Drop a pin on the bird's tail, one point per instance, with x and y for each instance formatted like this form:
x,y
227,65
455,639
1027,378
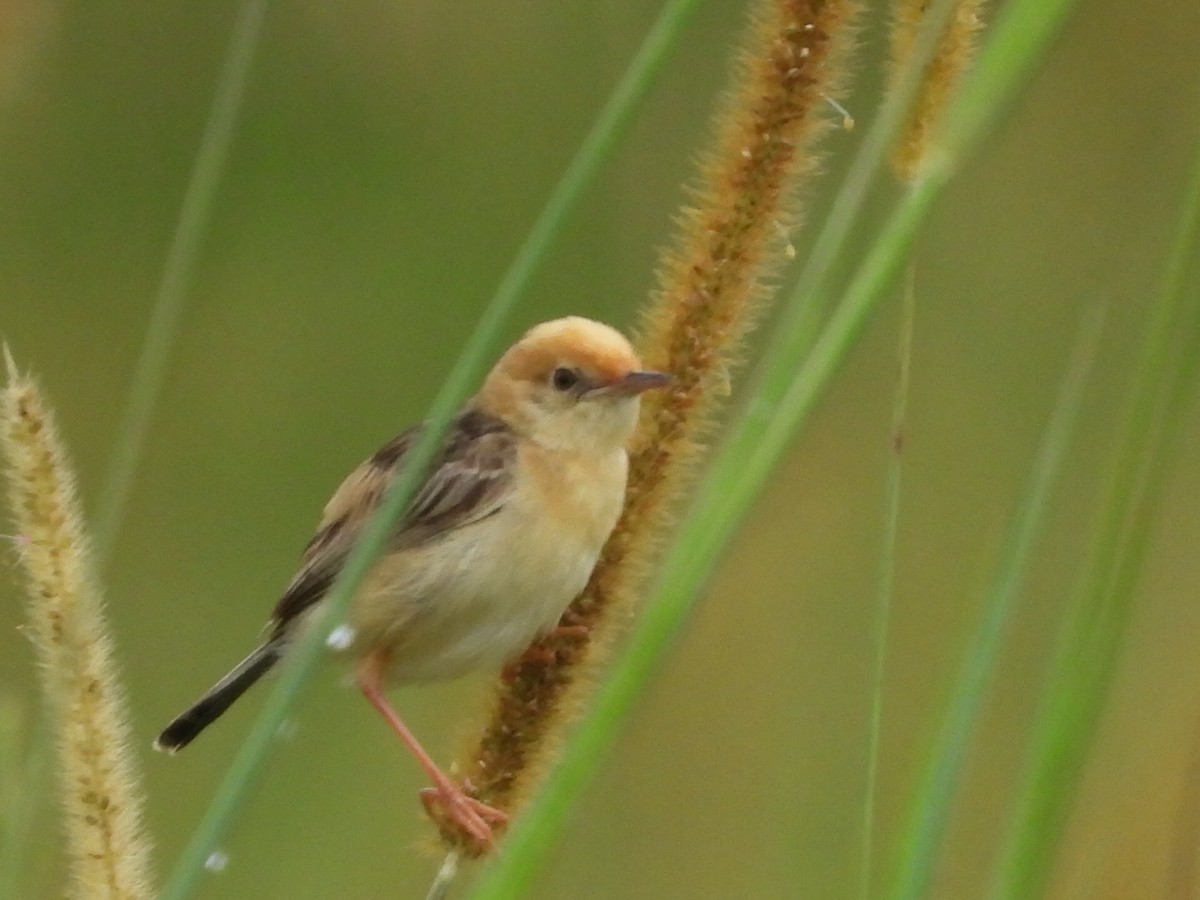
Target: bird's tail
x,y
218,698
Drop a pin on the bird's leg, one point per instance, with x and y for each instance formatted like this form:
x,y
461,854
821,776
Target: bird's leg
x,y
471,815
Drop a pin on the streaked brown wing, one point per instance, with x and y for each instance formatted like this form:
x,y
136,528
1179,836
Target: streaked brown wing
x,y
467,483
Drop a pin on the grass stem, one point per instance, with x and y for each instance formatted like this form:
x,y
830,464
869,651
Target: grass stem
x,y
194,214
887,575
935,797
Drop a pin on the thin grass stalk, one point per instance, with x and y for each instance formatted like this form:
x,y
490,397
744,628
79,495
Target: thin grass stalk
x,y
1094,627
443,881
885,593
710,296
194,215
787,393
171,298
612,122
935,797
107,847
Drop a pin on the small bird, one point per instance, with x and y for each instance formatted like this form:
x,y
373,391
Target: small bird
x,y
500,538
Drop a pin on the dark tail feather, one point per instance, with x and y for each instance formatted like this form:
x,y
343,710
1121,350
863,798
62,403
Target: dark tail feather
x,y
218,698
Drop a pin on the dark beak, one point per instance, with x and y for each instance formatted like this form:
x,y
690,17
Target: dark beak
x,y
638,382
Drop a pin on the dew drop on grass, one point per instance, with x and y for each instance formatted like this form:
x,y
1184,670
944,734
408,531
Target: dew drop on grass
x,y
340,638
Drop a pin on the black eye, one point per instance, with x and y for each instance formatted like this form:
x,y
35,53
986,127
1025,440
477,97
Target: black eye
x,y
564,379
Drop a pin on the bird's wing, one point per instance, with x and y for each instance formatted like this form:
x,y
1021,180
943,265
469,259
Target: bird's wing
x,y
469,481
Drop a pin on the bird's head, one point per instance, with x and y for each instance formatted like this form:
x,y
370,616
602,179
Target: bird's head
x,y
570,384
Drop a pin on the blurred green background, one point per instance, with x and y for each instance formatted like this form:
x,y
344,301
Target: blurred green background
x,y
387,162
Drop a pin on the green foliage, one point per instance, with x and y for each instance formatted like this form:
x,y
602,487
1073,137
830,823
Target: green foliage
x,y
947,758
1079,682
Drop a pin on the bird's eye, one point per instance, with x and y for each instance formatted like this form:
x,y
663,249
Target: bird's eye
x,y
564,379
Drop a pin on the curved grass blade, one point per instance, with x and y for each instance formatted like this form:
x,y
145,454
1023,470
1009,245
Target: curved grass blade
x,y
469,368
1094,628
740,469
887,573
935,798
194,216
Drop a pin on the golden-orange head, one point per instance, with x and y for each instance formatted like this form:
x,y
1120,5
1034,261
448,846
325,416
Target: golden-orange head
x,y
570,383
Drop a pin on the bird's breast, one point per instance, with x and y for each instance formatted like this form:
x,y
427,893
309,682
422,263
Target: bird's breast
x,y
576,496
549,535
480,594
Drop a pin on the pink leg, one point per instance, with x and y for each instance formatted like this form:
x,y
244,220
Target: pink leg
x,y
468,813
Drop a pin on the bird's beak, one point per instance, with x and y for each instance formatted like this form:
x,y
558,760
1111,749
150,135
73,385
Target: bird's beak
x,y
639,381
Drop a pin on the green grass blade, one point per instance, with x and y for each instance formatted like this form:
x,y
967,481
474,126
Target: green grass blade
x,y
1095,625
755,444
150,368
887,574
169,303
935,797
470,367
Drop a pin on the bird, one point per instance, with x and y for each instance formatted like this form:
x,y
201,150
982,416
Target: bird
x,y
500,537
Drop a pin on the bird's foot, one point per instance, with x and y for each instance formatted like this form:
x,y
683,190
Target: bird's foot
x,y
449,804
570,632
543,653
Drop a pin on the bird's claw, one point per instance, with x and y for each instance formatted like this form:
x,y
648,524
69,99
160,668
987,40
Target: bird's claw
x,y
450,804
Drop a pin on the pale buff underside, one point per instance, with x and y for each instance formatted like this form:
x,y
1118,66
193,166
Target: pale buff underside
x,y
477,596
